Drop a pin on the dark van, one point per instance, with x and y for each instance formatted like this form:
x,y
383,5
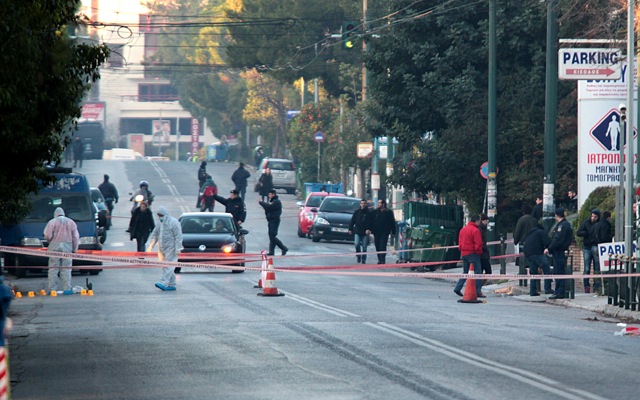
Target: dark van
x,y
71,191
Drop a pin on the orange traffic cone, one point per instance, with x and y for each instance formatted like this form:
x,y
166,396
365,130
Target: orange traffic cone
x,y
270,288
470,295
263,270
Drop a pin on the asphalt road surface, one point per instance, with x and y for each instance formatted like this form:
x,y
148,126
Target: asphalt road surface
x,y
331,336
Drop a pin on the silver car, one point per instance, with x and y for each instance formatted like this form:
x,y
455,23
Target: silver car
x,y
283,172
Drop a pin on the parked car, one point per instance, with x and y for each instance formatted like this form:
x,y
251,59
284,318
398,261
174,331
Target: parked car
x,y
305,216
283,172
211,232
333,218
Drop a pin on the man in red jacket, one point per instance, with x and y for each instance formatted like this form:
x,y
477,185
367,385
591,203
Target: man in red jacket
x,y
470,245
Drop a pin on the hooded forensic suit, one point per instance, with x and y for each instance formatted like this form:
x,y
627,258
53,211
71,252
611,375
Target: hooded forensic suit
x,y
62,234
168,235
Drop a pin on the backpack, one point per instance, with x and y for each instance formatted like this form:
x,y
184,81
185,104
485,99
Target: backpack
x,y
209,191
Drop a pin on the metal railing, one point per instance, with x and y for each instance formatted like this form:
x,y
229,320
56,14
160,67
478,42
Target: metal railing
x,y
623,291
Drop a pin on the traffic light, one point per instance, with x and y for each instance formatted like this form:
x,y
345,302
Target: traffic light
x,y
349,34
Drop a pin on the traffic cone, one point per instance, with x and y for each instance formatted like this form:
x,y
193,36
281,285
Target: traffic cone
x,y
470,295
263,270
270,289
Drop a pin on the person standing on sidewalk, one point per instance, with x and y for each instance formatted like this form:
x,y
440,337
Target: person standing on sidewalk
x,y
273,211
537,240
360,227
485,258
470,245
384,224
523,227
62,234
589,235
168,235
561,239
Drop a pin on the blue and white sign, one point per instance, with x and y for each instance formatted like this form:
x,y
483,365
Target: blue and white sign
x,y
615,248
589,63
319,137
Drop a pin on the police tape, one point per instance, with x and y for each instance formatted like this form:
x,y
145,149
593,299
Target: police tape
x,y
141,262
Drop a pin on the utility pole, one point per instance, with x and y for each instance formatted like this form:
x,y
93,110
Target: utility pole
x,y
551,114
492,184
628,217
375,175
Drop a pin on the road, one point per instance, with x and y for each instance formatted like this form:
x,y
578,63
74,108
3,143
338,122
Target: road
x,y
330,337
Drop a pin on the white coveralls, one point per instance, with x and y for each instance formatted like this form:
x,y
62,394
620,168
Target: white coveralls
x,y
62,234
168,235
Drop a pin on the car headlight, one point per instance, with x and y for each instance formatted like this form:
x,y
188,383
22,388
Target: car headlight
x,y
227,248
310,216
88,240
28,241
321,221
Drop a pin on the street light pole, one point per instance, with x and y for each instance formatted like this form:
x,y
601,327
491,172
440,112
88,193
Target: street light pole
x,y
551,114
628,219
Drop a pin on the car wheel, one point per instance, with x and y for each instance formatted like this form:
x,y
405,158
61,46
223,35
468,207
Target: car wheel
x,y
300,233
290,190
177,270
315,238
20,272
94,271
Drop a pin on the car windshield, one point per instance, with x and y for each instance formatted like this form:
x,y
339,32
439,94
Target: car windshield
x,y
75,205
340,205
314,201
206,224
96,195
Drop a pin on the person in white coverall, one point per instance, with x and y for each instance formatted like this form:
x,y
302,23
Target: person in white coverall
x,y
62,234
168,235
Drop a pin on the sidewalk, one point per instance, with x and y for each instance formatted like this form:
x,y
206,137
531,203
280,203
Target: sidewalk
x,y
585,301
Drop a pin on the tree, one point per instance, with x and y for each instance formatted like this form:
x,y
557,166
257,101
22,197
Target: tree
x,y
43,78
428,88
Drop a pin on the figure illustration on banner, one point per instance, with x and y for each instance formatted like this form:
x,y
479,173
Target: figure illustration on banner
x,y
613,131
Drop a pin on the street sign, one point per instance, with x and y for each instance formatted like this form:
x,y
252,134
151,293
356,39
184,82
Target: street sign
x,y
589,64
364,149
319,137
484,170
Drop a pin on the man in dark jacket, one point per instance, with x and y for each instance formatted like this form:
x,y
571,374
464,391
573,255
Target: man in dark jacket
x,y
202,177
141,225
470,246
109,192
537,240
560,241
589,235
384,224
523,227
78,151
603,228
485,258
360,226
234,206
239,178
273,210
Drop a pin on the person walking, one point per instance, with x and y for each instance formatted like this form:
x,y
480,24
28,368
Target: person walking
x,y
168,235
239,178
384,224
562,236
78,151
273,211
62,234
265,184
470,246
587,231
202,177
110,194
141,225
360,227
234,206
537,240
209,189
485,257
